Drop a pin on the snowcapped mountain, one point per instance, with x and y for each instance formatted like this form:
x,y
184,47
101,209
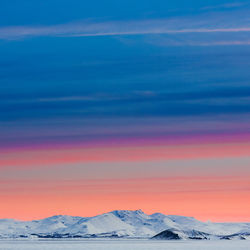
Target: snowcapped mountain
x,y
126,224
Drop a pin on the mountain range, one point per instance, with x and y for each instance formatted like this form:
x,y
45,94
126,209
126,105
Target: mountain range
x,y
123,224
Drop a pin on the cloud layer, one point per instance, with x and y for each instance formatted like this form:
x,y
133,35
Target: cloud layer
x,y
235,24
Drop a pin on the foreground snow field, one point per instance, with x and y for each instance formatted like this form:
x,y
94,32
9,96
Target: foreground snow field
x,y
122,245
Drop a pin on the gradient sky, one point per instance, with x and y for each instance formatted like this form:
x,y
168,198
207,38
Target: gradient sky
x,y
112,104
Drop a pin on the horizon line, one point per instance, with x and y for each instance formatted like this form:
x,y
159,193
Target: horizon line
x,y
129,210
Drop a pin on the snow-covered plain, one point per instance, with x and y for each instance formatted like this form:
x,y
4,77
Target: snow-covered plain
x,y
122,245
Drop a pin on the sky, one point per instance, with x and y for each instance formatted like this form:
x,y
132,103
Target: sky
x,y
109,105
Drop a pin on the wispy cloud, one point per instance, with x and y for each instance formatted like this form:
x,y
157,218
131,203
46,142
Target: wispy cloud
x,y
224,6
20,32
184,42
224,28
223,22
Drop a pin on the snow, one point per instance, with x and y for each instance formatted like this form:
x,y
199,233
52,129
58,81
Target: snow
x,y
119,223
123,245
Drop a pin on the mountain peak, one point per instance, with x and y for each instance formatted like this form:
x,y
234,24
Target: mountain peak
x,y
122,213
139,211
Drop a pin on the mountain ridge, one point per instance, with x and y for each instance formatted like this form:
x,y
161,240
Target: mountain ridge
x,y
122,224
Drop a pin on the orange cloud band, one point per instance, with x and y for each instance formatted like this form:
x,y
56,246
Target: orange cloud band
x,y
124,154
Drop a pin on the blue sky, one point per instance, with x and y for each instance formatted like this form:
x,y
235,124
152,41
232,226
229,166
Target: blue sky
x,y
42,12
109,60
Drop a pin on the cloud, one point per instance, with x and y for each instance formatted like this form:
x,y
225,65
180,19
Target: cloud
x,y
223,22
185,42
225,6
19,32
